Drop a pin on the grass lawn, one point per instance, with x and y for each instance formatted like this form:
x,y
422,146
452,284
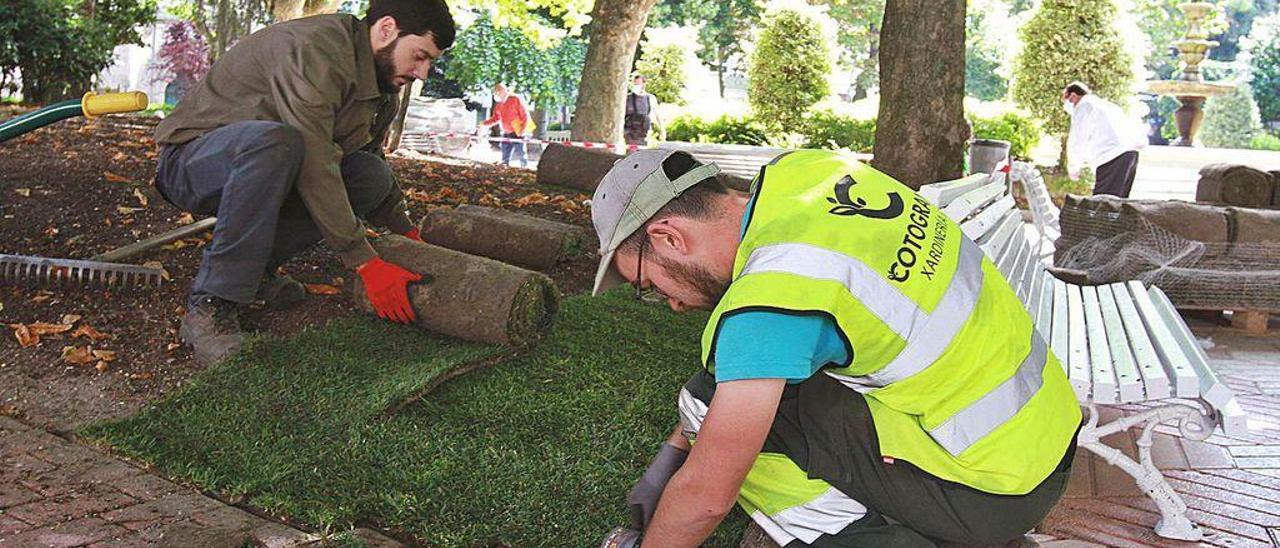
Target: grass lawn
x,y
538,449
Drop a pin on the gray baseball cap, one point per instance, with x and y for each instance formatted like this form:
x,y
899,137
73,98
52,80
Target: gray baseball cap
x,y
633,190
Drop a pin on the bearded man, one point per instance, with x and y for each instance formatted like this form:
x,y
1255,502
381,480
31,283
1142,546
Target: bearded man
x,y
282,141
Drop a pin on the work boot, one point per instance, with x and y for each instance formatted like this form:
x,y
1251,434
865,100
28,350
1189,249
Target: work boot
x,y
281,291
212,328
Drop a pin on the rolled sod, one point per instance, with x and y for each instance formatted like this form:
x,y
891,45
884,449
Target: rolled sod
x,y
471,298
582,168
507,236
1236,185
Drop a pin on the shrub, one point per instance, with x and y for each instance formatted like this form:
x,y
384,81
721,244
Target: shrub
x,y
1263,46
727,129
184,55
663,68
789,69
1231,120
827,129
1021,131
1265,141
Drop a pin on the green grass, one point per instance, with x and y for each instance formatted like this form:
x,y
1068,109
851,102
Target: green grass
x,y
536,450
1060,185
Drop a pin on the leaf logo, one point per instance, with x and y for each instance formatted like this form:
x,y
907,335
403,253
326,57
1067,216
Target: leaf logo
x,y
849,207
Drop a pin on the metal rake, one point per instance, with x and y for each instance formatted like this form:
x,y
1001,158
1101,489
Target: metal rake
x,y
46,271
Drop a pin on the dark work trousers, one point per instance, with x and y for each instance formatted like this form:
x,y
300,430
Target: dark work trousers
x,y
245,173
512,150
1116,177
827,430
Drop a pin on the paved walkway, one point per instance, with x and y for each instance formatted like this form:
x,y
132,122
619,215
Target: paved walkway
x,y
1171,173
55,492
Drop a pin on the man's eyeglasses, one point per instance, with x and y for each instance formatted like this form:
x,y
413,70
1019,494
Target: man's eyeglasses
x,y
647,294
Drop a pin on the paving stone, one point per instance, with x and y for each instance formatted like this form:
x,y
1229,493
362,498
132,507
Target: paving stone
x,y
1258,462
191,535
374,539
1166,453
175,505
1202,455
228,517
73,533
1081,482
14,494
68,507
144,486
275,535
1256,451
10,526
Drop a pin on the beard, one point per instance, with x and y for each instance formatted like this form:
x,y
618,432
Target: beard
x,y
385,66
697,277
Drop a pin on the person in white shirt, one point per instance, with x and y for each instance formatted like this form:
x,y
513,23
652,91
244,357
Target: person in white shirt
x,y
1102,137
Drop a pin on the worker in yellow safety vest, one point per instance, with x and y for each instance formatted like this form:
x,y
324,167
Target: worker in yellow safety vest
x,y
870,378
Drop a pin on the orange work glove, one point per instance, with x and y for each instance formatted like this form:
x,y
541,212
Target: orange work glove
x,y
387,285
413,234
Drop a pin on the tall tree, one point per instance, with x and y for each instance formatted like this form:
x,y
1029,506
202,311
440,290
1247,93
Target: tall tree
x,y
723,26
921,130
284,10
789,69
615,32
858,35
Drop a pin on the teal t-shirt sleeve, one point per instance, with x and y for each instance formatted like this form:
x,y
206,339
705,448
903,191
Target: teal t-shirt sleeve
x,y
760,344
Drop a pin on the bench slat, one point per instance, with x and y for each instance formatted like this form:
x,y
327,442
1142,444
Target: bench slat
x,y
1128,381
983,221
1035,281
1077,343
1030,275
1019,275
1185,382
1104,375
1017,250
994,241
964,206
1212,391
1044,311
1154,377
942,194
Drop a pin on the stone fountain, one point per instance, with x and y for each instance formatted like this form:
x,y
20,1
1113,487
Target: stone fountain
x,y
1191,89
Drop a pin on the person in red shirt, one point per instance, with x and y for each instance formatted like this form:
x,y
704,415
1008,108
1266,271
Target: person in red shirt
x,y
510,112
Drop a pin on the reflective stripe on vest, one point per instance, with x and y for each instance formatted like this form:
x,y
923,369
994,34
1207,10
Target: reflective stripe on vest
x,y
828,514
979,418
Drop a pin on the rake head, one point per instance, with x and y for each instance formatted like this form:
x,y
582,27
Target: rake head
x,y
44,271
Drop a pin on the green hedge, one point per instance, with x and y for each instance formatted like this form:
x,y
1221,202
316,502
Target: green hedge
x,y
1022,133
727,130
1265,141
827,129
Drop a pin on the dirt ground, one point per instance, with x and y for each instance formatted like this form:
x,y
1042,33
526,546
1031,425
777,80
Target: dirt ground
x,y
79,188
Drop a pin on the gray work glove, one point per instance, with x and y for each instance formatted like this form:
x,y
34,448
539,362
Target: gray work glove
x,y
643,498
621,537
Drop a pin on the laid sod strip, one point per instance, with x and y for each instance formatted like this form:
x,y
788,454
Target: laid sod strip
x,y
537,450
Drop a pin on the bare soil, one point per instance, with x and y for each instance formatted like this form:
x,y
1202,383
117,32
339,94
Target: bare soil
x,y
78,188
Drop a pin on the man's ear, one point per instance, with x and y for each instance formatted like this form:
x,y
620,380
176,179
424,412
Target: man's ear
x,y
385,30
669,237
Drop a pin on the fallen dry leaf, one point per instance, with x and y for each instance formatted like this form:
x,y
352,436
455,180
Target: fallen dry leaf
x,y
532,199
164,274
42,328
113,178
70,318
322,289
142,198
51,231
24,335
101,367
185,219
120,157
126,221
86,330
172,346
127,210
24,192
144,376
78,355
104,355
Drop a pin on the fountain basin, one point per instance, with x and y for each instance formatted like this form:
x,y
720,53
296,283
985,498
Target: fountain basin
x,y
1186,88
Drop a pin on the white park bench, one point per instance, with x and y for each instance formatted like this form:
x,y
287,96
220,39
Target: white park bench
x,y
1044,214
1121,343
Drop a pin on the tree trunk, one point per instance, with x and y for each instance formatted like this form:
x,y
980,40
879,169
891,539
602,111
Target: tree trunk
x,y
284,10
396,131
317,7
615,32
921,130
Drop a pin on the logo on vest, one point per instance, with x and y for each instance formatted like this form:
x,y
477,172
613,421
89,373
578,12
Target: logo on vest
x,y
850,207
